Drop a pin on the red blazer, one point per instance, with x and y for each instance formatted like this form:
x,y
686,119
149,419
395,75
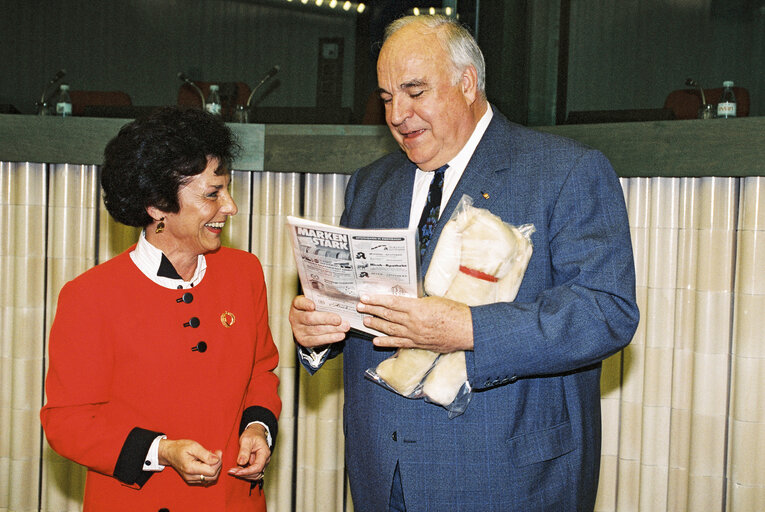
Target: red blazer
x,y
122,370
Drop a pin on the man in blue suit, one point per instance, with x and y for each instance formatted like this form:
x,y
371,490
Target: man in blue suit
x,y
530,438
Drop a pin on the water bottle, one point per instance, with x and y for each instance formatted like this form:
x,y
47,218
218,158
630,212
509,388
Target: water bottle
x,y
64,102
727,106
213,101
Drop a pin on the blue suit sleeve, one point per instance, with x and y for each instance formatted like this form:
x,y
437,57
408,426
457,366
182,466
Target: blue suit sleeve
x,y
311,363
584,307
304,355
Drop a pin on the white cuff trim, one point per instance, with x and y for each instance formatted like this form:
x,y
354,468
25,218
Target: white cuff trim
x,y
152,458
269,440
312,357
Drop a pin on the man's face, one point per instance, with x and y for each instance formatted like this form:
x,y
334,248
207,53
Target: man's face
x,y
427,102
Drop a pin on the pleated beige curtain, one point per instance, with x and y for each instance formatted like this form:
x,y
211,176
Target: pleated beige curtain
x,y
683,405
683,413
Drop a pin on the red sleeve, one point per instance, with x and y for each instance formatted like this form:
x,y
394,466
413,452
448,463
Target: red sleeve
x,y
79,421
262,390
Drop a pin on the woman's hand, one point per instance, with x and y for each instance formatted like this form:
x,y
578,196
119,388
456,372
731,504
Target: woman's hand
x,y
195,464
254,454
314,328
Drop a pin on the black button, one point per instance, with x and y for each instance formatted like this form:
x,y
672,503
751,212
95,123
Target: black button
x,y
187,298
199,347
513,379
164,510
193,322
147,462
394,436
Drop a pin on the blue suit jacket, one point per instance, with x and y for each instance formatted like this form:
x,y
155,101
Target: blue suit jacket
x,y
530,438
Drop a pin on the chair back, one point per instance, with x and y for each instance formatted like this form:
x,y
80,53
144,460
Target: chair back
x,y
83,99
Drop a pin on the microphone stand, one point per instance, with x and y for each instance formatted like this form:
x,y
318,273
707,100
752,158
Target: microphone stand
x,y
705,111
268,76
242,112
182,76
690,82
42,105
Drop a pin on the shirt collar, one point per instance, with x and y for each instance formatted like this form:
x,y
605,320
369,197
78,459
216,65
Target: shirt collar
x,y
458,164
460,161
153,263
452,175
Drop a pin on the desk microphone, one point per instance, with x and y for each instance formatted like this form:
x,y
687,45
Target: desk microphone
x,y
44,98
59,75
268,76
182,76
690,82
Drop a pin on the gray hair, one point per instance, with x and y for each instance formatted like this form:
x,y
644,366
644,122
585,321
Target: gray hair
x,y
458,43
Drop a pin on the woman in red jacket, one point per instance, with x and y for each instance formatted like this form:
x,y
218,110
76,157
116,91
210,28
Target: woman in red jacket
x,y
162,356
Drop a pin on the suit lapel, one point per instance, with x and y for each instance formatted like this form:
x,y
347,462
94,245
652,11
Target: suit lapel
x,y
394,198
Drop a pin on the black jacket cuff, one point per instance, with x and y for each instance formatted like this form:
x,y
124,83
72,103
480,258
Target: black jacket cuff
x,y
258,413
129,467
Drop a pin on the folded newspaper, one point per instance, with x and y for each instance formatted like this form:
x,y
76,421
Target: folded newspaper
x,y
337,265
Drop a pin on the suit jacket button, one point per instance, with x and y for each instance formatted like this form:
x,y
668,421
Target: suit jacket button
x,y
163,510
193,322
394,436
513,379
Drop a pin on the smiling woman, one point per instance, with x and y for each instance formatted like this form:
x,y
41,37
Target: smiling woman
x,y
116,404
204,205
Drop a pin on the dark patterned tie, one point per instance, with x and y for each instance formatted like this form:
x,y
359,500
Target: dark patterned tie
x,y
432,209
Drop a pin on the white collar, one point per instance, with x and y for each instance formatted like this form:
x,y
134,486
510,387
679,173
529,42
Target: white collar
x,y
458,164
148,258
452,175
460,161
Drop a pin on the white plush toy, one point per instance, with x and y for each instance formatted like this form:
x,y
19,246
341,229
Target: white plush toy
x,y
479,260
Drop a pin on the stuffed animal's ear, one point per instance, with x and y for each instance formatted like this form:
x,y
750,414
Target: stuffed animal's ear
x,y
446,261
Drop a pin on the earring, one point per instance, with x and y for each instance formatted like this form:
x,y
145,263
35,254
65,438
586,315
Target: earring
x,y
161,226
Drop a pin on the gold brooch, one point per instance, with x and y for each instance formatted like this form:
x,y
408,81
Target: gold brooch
x,y
227,319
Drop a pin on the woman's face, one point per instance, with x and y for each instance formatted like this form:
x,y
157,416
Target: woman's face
x,y
205,204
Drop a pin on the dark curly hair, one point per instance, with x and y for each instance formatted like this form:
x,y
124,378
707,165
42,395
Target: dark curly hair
x,y
151,158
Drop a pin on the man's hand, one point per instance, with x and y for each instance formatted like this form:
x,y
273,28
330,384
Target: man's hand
x,y
195,464
313,328
254,454
432,323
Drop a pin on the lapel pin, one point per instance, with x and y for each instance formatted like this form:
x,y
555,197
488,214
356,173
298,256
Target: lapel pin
x,y
485,195
227,319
